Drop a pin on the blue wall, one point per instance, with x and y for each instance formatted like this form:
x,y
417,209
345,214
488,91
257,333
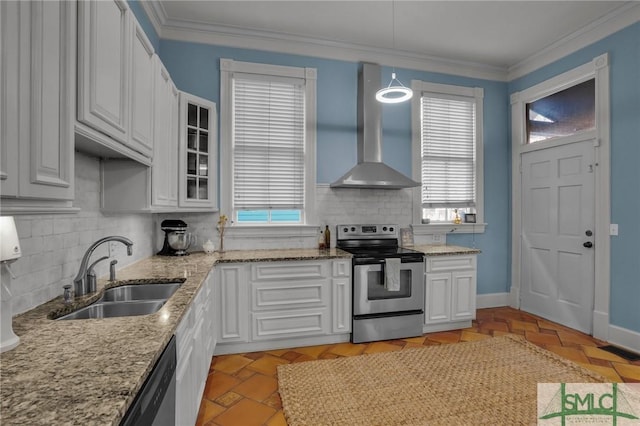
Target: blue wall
x,y
624,56
195,69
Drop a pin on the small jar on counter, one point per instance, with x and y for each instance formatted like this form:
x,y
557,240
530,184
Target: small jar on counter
x,y
67,294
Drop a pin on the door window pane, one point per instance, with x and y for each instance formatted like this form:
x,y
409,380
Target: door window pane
x,y
192,135
204,142
191,163
564,113
204,118
203,168
191,187
203,188
192,115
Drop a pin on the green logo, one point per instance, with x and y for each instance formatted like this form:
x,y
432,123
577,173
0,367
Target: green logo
x,y
586,401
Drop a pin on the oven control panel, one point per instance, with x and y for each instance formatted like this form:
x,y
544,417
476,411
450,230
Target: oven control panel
x,y
347,232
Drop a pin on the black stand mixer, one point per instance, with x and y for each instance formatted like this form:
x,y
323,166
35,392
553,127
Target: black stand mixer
x,y
175,231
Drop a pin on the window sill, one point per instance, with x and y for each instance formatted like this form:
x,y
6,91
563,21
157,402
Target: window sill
x,y
272,231
448,228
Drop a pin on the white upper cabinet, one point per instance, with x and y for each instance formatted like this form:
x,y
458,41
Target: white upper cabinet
x,y
142,94
115,78
104,47
38,105
165,154
198,152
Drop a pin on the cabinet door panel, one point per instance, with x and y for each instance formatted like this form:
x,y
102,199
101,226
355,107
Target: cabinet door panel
x,y
289,323
282,295
438,298
341,305
104,48
46,157
463,299
268,271
9,96
233,304
165,150
142,94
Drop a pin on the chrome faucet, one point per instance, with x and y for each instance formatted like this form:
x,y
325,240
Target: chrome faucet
x,y
85,281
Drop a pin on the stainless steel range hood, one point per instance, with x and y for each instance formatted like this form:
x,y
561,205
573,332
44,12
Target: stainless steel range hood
x,y
371,172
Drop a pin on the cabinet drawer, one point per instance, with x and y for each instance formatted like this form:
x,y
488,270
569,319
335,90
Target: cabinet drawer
x,y
291,323
449,263
287,295
271,271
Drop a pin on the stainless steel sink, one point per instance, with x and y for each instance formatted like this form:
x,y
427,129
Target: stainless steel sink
x,y
127,300
115,309
139,292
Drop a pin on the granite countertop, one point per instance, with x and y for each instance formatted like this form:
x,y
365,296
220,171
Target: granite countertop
x,y
444,250
81,372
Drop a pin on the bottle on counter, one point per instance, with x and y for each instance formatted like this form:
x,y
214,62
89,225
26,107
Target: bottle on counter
x,y
327,237
321,240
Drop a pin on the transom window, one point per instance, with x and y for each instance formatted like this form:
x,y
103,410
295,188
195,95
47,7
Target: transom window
x,y
271,141
563,113
448,142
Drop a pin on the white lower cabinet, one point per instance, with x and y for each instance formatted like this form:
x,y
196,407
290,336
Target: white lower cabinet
x,y
195,343
269,305
450,296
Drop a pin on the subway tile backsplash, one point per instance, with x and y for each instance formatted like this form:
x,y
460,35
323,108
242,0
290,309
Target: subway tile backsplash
x,y
53,245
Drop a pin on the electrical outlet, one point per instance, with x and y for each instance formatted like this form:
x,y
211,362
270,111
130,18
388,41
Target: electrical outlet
x,y
613,229
437,238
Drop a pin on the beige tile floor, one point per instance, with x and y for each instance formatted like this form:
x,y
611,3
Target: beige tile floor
x,y
242,389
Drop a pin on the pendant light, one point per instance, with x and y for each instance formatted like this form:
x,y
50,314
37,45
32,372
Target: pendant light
x,y
394,94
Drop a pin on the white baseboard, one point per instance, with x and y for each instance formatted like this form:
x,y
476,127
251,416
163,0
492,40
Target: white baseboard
x,y
492,300
625,338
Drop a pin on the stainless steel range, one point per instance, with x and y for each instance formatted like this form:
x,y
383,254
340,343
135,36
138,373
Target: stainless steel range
x,y
388,283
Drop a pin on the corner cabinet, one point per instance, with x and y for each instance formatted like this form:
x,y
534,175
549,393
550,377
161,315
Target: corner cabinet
x,y
450,296
198,149
272,305
195,343
37,88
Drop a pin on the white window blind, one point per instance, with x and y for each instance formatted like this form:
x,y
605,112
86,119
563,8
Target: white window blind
x,y
448,151
268,142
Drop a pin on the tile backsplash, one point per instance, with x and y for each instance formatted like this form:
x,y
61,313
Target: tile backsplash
x,y
53,245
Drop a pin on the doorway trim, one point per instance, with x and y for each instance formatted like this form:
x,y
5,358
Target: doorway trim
x,y
598,68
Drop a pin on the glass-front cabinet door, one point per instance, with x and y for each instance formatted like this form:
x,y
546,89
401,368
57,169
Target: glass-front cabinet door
x,y
198,152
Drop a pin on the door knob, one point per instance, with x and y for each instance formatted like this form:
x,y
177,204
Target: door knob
x,y
588,244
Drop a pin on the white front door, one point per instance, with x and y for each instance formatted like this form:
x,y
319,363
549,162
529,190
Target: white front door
x,y
557,279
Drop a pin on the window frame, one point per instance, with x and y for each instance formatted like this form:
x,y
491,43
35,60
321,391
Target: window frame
x,y
227,68
477,95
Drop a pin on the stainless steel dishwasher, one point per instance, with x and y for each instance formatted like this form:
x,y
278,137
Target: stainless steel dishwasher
x,y
155,404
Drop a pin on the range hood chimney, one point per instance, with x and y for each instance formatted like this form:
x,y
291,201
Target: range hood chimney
x,y
371,172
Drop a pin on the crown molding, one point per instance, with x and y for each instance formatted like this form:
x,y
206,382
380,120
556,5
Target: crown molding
x,y
298,45
611,23
241,38
156,13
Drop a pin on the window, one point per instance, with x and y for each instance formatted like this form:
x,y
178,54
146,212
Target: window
x,y
563,113
269,140
448,152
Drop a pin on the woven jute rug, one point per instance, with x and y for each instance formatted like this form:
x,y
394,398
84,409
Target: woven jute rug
x,y
493,381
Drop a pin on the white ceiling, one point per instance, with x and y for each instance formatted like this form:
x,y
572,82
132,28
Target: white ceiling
x,y
498,34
